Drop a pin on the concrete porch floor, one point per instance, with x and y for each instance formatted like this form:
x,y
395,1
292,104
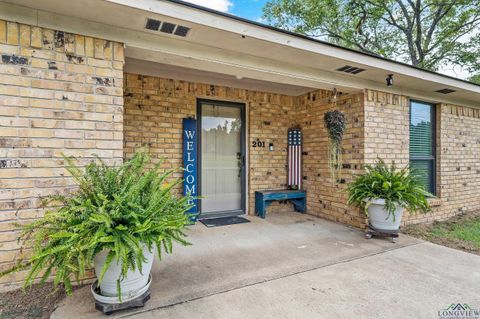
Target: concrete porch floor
x,y
293,265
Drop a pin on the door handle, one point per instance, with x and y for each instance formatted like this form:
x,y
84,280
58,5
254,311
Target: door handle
x,y
241,163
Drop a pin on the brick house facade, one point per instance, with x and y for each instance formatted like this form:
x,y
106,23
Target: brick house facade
x,y
67,92
59,93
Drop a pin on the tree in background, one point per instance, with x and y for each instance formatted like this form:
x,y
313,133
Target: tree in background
x,y
428,34
475,78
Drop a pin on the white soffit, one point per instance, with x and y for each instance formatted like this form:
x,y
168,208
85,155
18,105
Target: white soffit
x,y
169,71
225,45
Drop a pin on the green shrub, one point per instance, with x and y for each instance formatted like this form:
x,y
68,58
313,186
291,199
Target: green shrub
x,y
402,187
114,208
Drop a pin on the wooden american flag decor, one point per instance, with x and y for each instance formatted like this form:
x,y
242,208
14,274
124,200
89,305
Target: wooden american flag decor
x,y
295,158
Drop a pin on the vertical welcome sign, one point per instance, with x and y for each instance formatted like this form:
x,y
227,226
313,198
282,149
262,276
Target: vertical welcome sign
x,y
190,162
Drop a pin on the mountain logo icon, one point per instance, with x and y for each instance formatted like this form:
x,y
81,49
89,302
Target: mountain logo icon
x,y
459,307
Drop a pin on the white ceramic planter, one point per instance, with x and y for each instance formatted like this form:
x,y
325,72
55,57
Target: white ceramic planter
x,y
380,219
115,300
132,284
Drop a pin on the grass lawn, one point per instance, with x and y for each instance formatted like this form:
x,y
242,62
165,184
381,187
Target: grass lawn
x,y
460,232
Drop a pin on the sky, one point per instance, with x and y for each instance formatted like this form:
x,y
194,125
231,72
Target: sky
x,y
252,10
249,9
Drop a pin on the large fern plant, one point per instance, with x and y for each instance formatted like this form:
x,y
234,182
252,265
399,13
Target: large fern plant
x,y
398,187
118,209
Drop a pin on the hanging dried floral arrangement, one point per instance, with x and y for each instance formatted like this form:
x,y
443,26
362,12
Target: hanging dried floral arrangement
x,y
335,123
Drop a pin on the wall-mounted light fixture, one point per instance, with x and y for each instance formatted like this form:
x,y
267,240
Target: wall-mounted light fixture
x,y
270,146
389,80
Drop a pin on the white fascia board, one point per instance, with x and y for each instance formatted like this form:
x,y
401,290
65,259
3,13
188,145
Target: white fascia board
x,y
224,23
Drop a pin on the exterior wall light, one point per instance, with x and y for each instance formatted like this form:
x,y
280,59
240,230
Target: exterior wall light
x,y
390,80
270,146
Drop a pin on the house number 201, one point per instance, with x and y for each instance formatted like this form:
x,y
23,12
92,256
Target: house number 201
x,y
258,143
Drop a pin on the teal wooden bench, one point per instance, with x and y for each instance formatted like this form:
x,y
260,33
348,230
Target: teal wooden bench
x,y
264,198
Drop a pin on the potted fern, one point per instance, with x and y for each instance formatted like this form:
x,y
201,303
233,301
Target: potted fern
x,y
385,191
113,221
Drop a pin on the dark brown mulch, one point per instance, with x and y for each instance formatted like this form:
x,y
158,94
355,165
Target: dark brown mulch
x,y
37,302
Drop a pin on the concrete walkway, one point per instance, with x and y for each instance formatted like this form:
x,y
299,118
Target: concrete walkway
x,y
299,266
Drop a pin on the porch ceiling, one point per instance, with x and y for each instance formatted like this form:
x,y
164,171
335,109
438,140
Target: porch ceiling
x,y
194,75
233,47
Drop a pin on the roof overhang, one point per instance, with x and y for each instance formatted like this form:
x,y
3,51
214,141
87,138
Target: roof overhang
x,y
233,47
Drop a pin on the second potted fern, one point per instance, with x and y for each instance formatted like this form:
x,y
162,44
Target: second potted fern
x,y
385,191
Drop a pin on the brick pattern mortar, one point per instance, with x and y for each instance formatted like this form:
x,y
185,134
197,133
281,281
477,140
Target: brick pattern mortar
x,y
457,150
155,107
59,92
327,197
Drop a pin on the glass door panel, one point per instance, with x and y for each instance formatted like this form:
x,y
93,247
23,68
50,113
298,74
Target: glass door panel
x,y
221,158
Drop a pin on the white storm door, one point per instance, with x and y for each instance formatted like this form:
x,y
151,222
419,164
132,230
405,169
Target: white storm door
x,y
222,158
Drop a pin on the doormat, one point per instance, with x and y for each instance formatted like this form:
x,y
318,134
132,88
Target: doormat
x,y
223,221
